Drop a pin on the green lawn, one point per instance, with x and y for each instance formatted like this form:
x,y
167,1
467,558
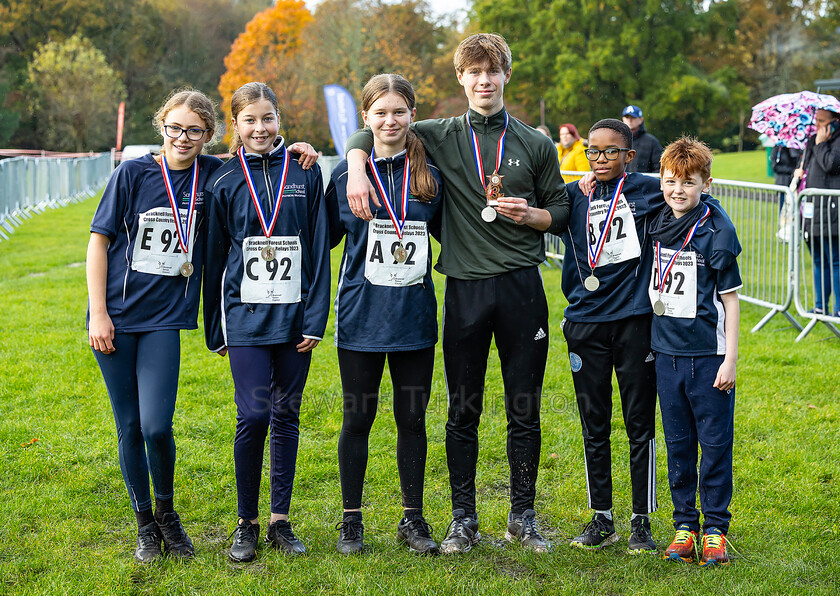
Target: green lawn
x,y
746,166
66,526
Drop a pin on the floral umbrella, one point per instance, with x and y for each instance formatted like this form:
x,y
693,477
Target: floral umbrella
x,y
788,119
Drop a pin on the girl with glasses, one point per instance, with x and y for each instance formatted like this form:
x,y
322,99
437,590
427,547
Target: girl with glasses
x,y
144,266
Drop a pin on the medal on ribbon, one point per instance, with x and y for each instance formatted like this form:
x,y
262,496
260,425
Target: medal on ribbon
x,y
660,274
268,252
400,254
591,283
493,190
185,235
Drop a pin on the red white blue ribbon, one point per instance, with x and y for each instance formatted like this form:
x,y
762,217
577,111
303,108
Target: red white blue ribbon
x,y
595,254
255,197
657,277
399,223
500,150
184,235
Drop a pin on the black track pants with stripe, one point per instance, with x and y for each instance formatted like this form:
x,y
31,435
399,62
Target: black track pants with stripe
x,y
512,308
594,350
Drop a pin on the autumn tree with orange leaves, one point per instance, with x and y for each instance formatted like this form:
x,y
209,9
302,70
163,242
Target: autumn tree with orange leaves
x,y
269,50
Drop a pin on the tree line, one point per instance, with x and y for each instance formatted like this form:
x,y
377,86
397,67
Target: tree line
x,y
694,66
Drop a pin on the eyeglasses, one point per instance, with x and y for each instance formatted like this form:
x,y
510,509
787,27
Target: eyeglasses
x,y
611,153
175,132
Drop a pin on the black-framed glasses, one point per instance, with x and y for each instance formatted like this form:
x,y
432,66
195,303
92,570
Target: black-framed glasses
x,y
174,132
610,153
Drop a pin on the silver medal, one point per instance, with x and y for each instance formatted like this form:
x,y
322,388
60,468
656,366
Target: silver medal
x,y
591,283
267,253
488,214
659,308
187,269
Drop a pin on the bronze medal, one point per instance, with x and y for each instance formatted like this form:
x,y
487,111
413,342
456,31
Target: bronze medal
x,y
187,269
591,283
267,253
400,254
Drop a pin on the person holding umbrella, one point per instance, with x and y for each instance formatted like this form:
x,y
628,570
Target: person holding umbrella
x,y
821,169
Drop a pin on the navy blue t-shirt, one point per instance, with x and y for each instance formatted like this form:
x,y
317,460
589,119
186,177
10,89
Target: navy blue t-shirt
x,y
138,300
714,249
375,312
622,285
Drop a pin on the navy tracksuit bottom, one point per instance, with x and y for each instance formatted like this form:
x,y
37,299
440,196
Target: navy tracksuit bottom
x,y
695,413
269,382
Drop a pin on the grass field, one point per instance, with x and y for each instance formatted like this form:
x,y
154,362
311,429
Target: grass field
x,y
66,526
747,166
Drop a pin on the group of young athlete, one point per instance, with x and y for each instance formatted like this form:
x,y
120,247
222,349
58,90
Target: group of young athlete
x,y
650,275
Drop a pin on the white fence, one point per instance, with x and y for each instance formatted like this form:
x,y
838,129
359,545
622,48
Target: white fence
x,y
776,263
32,184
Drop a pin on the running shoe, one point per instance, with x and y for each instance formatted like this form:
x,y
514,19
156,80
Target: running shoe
x,y
522,528
244,547
351,535
462,533
714,549
417,534
683,547
148,543
641,540
598,533
281,537
175,539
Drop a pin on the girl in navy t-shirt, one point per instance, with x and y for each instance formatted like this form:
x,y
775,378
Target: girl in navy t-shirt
x,y
266,302
144,266
385,306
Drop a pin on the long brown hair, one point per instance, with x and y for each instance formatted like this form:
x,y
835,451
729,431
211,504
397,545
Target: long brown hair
x,y
422,184
243,97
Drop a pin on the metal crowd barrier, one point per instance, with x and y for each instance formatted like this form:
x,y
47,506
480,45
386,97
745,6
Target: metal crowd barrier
x,y
30,185
816,267
763,227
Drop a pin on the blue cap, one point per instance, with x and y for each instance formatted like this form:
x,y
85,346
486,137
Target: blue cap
x,y
632,111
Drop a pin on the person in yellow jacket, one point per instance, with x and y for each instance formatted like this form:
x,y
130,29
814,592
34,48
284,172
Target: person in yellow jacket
x,y
570,150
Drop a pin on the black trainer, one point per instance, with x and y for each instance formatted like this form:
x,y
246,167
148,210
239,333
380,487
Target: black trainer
x,y
244,547
641,540
148,543
175,539
351,535
281,537
598,533
522,528
462,533
417,534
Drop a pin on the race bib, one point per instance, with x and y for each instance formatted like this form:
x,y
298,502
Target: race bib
x,y
270,282
156,248
679,290
622,243
381,268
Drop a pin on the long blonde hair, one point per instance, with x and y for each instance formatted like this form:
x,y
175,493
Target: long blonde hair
x,y
422,184
243,97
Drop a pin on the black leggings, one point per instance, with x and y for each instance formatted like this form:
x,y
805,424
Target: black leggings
x,y
361,374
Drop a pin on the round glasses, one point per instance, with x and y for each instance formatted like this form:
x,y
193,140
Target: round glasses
x,y
611,153
175,132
